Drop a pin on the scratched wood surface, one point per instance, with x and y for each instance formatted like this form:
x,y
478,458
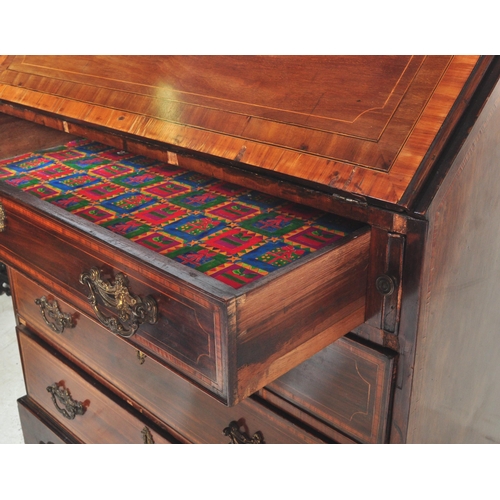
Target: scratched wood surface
x,y
360,125
105,419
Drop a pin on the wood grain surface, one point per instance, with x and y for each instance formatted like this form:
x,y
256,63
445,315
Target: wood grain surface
x,y
38,427
360,125
456,395
104,420
347,385
149,386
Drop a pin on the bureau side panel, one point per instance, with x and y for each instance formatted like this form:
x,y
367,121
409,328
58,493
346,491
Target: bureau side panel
x,y
456,388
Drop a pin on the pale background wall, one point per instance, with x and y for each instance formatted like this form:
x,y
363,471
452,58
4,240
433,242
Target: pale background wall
x,y
11,377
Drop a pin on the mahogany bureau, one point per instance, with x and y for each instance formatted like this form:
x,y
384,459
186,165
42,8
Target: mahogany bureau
x,y
253,249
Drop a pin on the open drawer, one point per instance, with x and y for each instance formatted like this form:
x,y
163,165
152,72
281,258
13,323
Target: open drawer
x,y
231,340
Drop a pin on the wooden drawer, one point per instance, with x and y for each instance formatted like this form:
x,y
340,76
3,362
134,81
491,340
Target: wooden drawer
x,y
231,342
38,427
145,382
75,401
347,385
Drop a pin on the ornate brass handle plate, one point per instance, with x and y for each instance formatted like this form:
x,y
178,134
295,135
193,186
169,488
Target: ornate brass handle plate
x,y
237,437
132,311
71,408
2,218
50,309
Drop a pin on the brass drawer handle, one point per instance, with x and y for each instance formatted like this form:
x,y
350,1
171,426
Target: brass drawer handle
x,y
237,437
71,408
132,311
50,308
2,218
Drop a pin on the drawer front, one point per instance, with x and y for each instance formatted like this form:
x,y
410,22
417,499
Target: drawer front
x,y
347,385
38,427
75,401
187,331
150,385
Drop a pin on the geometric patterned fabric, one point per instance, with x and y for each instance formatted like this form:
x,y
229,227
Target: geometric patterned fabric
x,y
234,234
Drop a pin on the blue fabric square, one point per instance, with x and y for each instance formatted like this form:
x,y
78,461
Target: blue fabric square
x,y
129,202
194,227
74,181
31,163
274,255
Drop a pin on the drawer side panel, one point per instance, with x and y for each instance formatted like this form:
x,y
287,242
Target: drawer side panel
x,y
296,316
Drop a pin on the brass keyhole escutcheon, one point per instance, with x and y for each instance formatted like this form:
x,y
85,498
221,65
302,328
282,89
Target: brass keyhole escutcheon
x,y
147,437
141,357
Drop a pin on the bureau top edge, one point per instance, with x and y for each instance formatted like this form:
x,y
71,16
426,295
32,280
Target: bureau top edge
x,y
368,127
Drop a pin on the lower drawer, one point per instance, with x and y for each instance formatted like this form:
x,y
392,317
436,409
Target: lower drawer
x,y
38,427
347,385
75,401
149,385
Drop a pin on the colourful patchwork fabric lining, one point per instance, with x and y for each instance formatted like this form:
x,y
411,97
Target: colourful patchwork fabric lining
x,y
231,233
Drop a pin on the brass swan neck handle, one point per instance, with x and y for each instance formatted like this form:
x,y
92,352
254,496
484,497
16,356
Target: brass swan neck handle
x,y
132,311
